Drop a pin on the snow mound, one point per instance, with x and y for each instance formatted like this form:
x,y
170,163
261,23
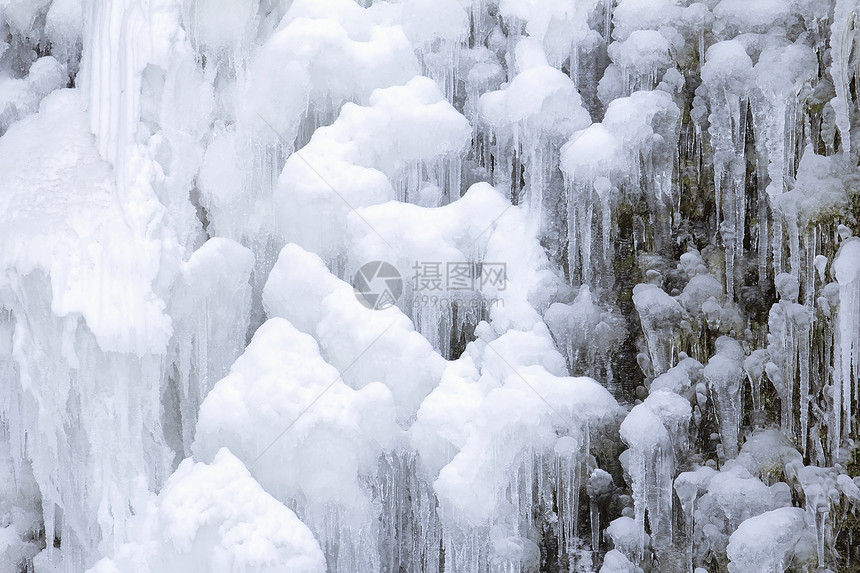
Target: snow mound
x,y
366,345
353,162
285,412
216,517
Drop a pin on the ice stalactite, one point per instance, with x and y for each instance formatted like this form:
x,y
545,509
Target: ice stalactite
x,y
391,350
782,76
90,352
606,32
631,145
651,430
647,126
599,488
733,496
591,155
725,376
438,31
361,159
587,333
549,479
658,313
544,446
410,531
223,35
283,88
846,271
643,58
351,428
495,244
823,183
727,77
689,486
211,313
516,117
557,26
113,425
656,432
754,366
788,344
820,492
236,514
710,314
842,39
111,79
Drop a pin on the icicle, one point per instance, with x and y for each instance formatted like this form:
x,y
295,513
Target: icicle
x,y
607,20
574,199
754,366
659,314
820,534
804,343
586,215
651,468
734,201
763,240
574,64
688,501
846,270
839,390
603,187
841,41
725,379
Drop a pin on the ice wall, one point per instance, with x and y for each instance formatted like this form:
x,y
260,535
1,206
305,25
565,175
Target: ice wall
x,y
662,375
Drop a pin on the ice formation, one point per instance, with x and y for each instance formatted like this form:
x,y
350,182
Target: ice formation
x,y
216,517
621,319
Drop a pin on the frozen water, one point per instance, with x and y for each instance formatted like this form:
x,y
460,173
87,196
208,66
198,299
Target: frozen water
x,y
648,359
766,542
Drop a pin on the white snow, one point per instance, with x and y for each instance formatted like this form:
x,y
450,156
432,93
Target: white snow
x,y
652,206
215,517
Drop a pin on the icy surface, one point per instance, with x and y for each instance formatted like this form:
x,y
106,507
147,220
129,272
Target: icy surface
x,y
765,542
620,324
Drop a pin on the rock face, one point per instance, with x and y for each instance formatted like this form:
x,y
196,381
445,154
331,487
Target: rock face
x,y
429,285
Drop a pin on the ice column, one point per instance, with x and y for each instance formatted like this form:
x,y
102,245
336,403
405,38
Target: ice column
x,y
649,446
846,270
726,76
841,41
725,376
788,345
